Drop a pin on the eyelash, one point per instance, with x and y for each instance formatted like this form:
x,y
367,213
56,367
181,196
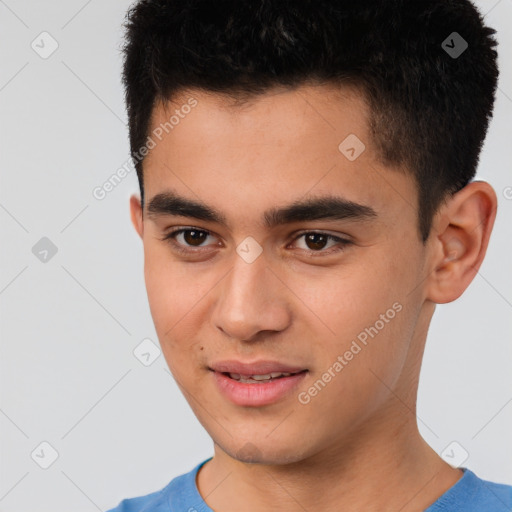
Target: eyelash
x,y
169,237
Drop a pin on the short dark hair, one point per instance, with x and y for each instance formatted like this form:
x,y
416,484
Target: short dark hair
x,y
429,108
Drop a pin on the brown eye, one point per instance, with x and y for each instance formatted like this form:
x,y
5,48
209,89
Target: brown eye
x,y
187,240
316,241
193,237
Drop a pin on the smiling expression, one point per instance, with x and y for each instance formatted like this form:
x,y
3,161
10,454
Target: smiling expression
x,y
263,241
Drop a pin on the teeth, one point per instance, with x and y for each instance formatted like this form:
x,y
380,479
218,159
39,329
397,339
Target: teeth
x,y
256,378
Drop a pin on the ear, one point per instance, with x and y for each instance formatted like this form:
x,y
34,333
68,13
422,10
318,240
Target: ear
x,y
136,214
460,236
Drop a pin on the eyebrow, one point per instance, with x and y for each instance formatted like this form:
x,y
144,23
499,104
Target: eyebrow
x,y
317,208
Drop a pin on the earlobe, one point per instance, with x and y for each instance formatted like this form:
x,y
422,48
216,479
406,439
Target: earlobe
x,y
136,215
463,228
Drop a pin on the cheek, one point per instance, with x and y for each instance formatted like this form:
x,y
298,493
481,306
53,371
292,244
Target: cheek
x,y
176,297
164,286
341,302
170,287
368,319
363,363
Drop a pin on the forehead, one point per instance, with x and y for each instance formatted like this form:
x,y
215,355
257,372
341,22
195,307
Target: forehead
x,y
273,148
289,114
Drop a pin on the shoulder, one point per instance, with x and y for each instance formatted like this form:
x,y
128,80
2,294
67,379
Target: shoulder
x,y
153,502
474,494
179,491
496,493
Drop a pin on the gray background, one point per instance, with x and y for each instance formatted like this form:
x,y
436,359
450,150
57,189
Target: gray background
x,y
69,325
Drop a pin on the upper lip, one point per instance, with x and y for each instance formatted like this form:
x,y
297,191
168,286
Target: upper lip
x,y
255,368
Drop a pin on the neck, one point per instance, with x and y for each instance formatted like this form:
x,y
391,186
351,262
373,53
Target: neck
x,y
379,468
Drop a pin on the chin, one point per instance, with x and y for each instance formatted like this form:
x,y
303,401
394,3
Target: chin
x,y
266,454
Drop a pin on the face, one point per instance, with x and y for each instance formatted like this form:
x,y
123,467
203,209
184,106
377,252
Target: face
x,y
330,289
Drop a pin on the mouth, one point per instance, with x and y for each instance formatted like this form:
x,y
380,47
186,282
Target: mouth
x,y
250,389
260,379
262,368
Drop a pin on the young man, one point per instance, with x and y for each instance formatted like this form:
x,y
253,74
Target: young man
x,y
305,170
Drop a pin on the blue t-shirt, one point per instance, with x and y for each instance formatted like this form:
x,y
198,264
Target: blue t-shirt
x,y
468,494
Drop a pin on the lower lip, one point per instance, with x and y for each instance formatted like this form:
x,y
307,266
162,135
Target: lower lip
x,y
261,393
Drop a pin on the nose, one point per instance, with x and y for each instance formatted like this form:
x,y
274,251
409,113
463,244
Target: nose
x,y
251,299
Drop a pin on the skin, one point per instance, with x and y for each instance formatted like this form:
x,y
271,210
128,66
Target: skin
x,y
357,441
